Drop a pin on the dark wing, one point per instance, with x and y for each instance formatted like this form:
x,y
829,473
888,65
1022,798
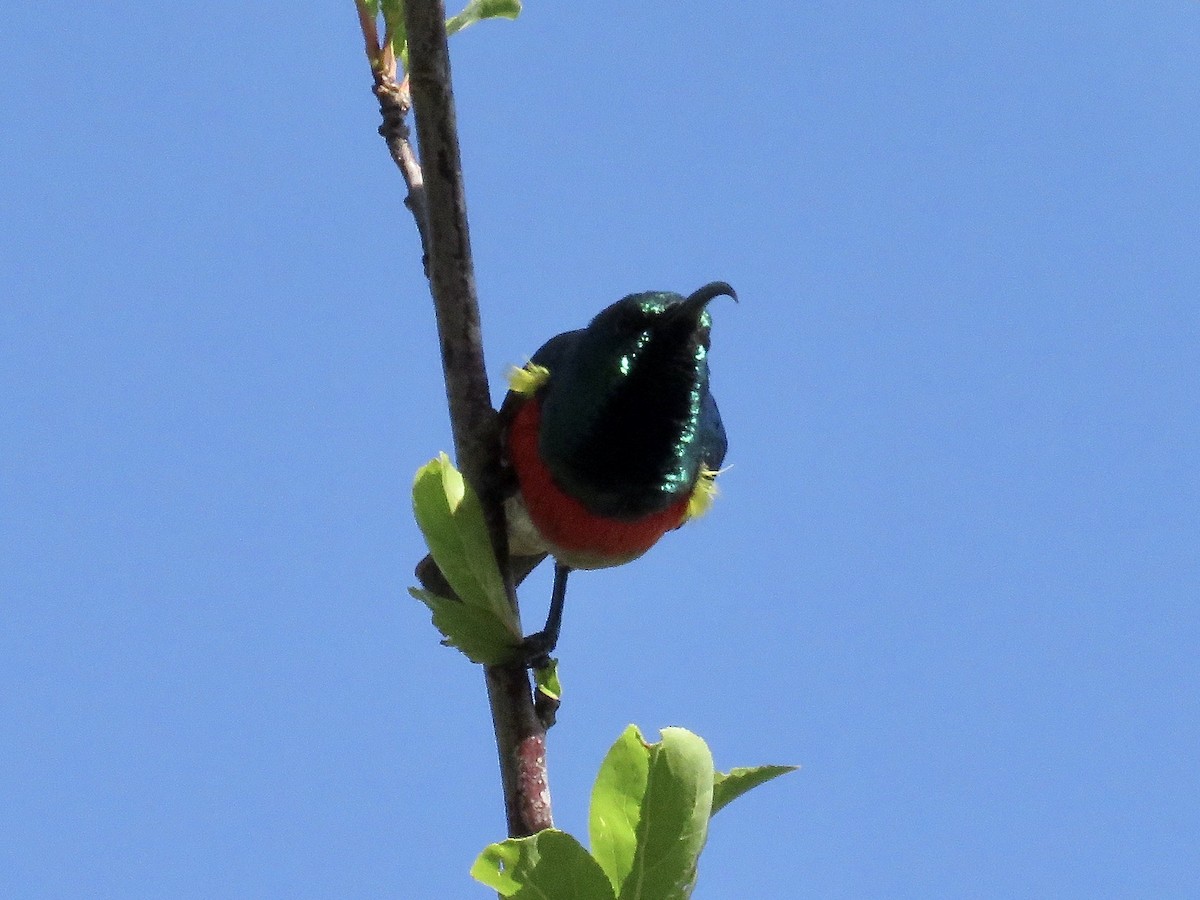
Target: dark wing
x,y
713,442
550,354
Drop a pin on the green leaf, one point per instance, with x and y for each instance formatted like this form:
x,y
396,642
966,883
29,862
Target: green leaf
x,y
616,805
728,787
475,631
478,10
649,813
550,865
451,518
547,681
393,18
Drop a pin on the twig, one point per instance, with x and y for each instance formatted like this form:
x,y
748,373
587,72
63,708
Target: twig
x,y
438,203
394,103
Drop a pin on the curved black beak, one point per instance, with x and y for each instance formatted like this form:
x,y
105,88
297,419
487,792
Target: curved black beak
x,y
694,304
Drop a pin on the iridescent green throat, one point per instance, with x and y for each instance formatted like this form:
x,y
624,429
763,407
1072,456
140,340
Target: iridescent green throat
x,y
621,419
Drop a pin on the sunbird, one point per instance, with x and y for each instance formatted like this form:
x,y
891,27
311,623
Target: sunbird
x,y
611,438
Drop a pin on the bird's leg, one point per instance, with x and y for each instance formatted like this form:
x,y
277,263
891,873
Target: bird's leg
x,y
538,646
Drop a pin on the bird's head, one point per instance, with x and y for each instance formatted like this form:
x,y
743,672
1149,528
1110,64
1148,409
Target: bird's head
x,y
621,413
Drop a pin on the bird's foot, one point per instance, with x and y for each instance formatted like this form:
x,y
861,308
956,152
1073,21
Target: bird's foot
x,y
536,649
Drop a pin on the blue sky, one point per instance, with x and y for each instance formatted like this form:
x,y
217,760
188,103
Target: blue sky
x,y
953,571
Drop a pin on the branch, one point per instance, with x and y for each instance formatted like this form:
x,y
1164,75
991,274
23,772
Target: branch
x,y
394,103
438,202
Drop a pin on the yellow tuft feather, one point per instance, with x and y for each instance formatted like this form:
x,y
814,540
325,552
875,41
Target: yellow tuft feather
x,y
703,494
527,379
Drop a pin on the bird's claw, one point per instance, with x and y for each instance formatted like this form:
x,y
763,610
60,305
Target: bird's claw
x,y
535,650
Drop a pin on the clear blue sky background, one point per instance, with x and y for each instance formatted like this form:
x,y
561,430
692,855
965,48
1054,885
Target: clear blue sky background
x,y
954,569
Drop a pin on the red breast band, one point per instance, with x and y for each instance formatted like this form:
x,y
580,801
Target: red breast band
x,y
563,521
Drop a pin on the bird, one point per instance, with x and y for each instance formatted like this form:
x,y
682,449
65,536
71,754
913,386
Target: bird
x,y
610,439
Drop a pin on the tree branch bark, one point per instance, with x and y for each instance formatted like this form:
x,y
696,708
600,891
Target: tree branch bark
x,y
437,199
